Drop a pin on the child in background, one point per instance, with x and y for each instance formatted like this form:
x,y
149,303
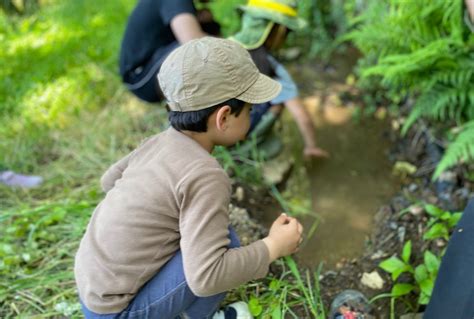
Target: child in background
x,y
154,29
159,244
265,25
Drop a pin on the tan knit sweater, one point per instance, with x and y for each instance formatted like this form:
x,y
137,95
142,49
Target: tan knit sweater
x,y
168,194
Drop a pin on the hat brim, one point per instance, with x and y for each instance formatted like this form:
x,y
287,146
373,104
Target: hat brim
x,y
253,38
263,90
293,23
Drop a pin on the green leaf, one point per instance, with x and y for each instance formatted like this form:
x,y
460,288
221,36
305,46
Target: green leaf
x,y
391,264
431,262
274,285
433,210
254,306
399,271
406,253
445,216
453,221
401,289
276,312
421,273
423,299
427,286
438,230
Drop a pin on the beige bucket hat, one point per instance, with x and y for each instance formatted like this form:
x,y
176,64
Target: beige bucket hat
x,y
208,71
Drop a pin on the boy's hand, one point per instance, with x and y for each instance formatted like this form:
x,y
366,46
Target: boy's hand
x,y
284,237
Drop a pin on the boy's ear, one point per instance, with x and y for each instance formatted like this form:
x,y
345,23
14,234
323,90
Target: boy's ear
x,y
222,118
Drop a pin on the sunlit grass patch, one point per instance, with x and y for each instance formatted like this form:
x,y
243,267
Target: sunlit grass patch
x,y
55,104
36,257
71,160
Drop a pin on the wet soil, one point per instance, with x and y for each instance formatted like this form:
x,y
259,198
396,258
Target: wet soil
x,y
348,188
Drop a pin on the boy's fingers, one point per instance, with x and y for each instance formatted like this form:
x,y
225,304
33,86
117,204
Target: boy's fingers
x,y
293,223
282,219
300,228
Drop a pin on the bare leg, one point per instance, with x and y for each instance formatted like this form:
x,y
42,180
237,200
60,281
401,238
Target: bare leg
x,y
306,128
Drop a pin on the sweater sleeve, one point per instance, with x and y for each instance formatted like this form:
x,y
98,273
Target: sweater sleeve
x,y
210,267
114,173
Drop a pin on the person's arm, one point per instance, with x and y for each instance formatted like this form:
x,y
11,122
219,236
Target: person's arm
x,y
180,15
209,265
114,173
185,27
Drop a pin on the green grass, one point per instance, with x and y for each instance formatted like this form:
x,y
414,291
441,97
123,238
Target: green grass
x,y
64,115
291,294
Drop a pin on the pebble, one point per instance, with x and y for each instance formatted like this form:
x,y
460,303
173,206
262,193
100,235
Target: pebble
x,y
372,280
415,210
440,242
247,228
239,194
401,234
412,187
378,255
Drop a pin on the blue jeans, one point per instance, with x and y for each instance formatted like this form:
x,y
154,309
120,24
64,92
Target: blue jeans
x,y
453,293
167,295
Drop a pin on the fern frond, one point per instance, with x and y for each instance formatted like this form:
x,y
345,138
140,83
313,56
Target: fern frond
x,y
442,103
461,149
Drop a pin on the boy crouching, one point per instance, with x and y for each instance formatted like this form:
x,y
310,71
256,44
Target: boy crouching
x,y
159,244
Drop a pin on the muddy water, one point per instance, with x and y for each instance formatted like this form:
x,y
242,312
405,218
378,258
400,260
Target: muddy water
x,y
348,188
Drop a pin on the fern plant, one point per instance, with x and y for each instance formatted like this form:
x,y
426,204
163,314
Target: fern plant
x,y
461,149
424,50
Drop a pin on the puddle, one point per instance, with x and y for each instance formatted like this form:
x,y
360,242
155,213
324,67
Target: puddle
x,y
348,188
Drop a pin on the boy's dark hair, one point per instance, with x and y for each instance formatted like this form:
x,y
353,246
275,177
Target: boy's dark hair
x,y
196,121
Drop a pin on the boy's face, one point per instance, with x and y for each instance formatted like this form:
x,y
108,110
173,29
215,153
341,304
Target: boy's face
x,y
237,126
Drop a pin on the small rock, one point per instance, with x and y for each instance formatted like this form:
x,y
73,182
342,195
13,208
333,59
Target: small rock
x,y
440,242
239,194
378,255
412,187
248,229
330,273
372,280
351,79
463,193
395,125
448,176
402,168
381,113
401,234
275,170
415,210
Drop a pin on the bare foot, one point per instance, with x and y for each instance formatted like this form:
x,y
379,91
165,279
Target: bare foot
x,y
315,152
